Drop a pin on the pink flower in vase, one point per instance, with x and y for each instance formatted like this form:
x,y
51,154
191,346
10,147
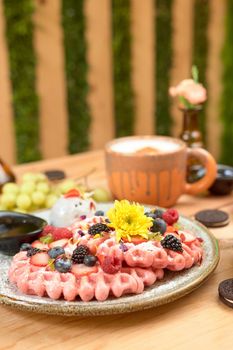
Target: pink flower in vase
x,y
190,92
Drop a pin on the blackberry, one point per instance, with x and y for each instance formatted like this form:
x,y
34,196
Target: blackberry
x,y
33,251
79,254
172,243
98,228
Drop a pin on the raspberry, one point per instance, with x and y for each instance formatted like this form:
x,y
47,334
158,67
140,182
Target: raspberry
x,y
60,233
171,216
110,265
47,230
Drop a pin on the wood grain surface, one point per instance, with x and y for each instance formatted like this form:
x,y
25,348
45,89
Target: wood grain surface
x,y
198,320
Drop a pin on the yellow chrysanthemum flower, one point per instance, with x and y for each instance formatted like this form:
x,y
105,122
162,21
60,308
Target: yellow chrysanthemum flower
x,y
129,220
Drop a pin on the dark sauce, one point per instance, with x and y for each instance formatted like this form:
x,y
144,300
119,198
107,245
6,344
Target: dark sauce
x,y
16,229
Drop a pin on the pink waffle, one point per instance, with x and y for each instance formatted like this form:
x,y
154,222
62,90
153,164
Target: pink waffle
x,y
141,266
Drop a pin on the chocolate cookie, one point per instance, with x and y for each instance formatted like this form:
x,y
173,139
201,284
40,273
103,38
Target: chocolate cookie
x,y
212,218
225,291
55,175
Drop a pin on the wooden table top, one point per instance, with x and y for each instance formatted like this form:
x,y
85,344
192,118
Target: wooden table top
x,y
198,320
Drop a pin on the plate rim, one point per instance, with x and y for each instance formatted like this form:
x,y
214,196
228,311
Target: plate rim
x,y
118,307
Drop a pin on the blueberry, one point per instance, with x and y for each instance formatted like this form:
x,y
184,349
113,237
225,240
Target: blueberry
x,y
159,225
99,213
55,252
25,247
151,215
62,265
158,213
89,260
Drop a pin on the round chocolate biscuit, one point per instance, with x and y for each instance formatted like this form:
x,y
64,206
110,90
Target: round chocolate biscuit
x,y
55,175
212,217
225,291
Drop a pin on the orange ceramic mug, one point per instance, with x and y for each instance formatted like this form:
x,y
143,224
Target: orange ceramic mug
x,y
152,169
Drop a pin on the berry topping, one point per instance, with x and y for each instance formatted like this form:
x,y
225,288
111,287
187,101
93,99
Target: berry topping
x,y
171,216
150,215
80,270
79,254
72,193
159,225
89,260
61,233
47,230
99,213
62,265
60,243
33,251
172,243
98,228
25,247
40,259
110,264
56,232
39,245
55,252
158,213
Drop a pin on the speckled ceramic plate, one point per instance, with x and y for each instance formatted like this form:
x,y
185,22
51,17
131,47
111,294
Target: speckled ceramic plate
x,y
175,285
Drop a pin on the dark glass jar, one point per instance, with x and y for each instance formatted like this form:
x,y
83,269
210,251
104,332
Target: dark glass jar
x,y
6,174
192,136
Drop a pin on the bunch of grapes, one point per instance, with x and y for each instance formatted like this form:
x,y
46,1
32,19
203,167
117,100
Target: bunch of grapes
x,y
36,192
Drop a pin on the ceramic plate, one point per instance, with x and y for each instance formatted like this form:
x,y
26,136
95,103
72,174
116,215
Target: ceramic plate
x,y
173,286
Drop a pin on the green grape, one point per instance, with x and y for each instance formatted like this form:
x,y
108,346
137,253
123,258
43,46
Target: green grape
x,y
28,187
23,201
29,177
43,187
101,195
50,200
40,177
20,210
8,200
10,187
67,185
38,198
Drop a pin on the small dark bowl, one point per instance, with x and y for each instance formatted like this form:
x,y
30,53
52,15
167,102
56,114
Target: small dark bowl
x,y
31,225
223,184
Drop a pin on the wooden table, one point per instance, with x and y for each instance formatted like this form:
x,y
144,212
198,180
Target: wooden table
x,y
197,321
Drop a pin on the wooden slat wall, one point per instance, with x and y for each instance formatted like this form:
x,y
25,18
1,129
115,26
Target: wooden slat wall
x,y
182,52
142,28
214,73
51,80
7,136
51,84
99,56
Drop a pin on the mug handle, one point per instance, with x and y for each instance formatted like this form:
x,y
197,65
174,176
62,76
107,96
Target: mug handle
x,y
208,161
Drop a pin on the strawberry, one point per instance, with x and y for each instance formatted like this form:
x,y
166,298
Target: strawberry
x,y
186,237
110,264
80,270
40,259
72,193
170,216
60,243
61,232
135,239
39,245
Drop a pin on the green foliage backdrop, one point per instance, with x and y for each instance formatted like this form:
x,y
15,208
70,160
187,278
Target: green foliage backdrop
x,y
76,72
19,33
124,101
200,47
226,109
163,64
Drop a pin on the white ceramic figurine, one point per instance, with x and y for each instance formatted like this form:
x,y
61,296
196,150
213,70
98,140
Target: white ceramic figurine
x,y
71,207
